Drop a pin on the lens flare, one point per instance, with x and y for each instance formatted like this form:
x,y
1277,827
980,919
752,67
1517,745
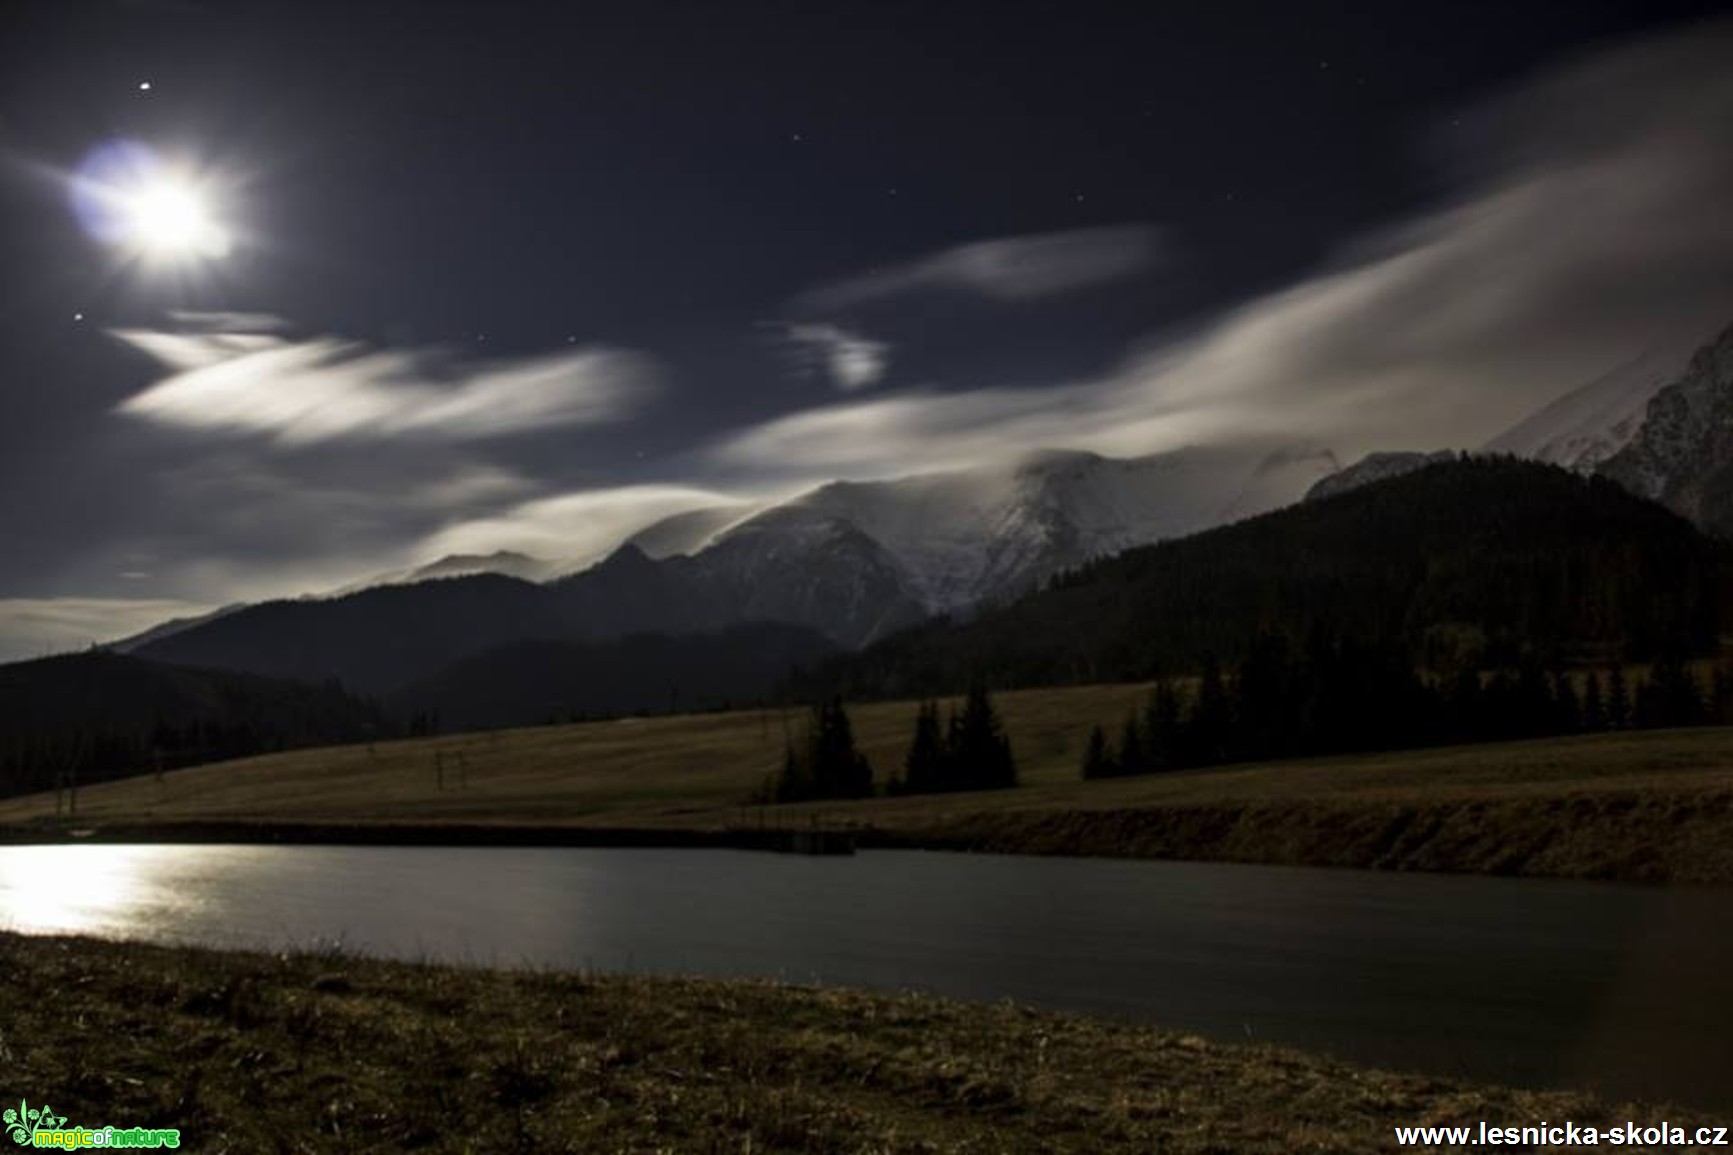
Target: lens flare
x,y
126,195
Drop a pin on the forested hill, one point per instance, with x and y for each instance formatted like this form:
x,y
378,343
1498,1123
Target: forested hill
x,y
1472,561
533,682
100,715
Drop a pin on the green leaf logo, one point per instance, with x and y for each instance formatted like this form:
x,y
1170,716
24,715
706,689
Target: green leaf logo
x,y
26,1121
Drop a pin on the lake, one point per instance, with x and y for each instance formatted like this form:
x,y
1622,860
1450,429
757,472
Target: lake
x,y
1622,988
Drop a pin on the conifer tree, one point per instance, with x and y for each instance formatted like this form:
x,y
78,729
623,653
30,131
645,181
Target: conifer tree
x,y
1132,757
1207,729
830,766
1618,699
1467,706
1161,727
1567,710
980,751
1676,699
924,769
1594,703
1097,761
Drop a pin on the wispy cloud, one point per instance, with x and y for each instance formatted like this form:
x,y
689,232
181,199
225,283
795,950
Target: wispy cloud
x,y
1592,226
851,360
1022,268
237,379
576,528
36,627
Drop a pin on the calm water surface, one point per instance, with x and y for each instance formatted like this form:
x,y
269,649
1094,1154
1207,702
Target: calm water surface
x,y
1627,989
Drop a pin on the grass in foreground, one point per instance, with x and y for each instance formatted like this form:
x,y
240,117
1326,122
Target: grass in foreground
x,y
309,1052
1650,805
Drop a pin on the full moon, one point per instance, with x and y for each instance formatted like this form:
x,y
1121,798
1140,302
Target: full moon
x,y
129,196
166,217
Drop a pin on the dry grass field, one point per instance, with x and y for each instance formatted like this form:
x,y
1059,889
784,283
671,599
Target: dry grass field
x,y
319,1052
1655,806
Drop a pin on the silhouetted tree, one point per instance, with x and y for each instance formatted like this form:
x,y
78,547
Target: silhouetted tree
x,y
1132,758
830,766
1674,698
1618,699
1162,727
1097,760
980,750
924,769
1207,728
1567,709
1594,703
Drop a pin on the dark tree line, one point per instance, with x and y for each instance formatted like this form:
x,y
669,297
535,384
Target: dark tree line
x,y
85,718
969,752
1342,696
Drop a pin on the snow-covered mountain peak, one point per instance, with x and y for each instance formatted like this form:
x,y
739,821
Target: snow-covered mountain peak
x,y
963,537
1592,422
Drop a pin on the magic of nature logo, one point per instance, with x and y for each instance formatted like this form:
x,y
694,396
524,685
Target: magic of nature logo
x,y
30,1126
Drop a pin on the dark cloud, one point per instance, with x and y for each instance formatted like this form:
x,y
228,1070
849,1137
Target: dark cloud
x,y
1592,225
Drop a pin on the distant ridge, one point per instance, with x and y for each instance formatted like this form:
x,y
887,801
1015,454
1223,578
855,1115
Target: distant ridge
x,y
1477,560
852,561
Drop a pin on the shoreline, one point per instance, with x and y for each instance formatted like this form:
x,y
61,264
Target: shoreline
x,y
1609,837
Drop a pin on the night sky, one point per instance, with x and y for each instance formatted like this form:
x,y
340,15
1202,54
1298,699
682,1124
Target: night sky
x,y
522,276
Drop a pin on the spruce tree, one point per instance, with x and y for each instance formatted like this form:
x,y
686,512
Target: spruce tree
x,y
1467,708
1677,699
794,784
1132,757
1161,727
1208,729
1567,710
830,766
1618,699
1097,761
1594,704
924,765
980,752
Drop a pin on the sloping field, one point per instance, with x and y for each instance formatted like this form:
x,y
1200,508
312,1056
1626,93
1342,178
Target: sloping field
x,y
1645,805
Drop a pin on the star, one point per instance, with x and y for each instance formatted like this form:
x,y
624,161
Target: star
x,y
144,86
78,316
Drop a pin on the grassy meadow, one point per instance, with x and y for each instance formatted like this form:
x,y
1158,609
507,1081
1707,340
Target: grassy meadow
x,y
321,1052
1651,805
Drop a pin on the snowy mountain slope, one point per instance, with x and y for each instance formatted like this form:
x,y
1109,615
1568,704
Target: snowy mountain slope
x,y
1375,467
965,537
1682,455
1591,423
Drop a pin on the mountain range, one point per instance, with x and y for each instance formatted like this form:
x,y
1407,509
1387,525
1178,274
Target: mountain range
x,y
849,565
852,562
